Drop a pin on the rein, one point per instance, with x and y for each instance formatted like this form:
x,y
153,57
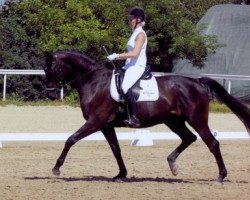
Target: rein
x,y
77,78
83,75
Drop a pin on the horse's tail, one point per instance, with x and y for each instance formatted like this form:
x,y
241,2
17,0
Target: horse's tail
x,y
238,108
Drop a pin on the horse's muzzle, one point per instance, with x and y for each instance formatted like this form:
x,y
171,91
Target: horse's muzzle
x,y
53,93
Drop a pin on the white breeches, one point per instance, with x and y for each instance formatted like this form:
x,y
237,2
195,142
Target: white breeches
x,y
132,74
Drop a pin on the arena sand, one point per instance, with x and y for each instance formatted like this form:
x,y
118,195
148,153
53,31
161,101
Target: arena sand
x,y
25,171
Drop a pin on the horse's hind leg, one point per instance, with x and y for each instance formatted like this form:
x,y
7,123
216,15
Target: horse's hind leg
x,y
177,125
213,145
110,136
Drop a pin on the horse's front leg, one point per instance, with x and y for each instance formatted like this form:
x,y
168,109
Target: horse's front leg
x,y
87,129
110,135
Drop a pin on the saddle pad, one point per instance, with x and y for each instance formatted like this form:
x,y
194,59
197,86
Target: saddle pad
x,y
149,90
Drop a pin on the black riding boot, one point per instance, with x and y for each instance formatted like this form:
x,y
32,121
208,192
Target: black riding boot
x,y
132,120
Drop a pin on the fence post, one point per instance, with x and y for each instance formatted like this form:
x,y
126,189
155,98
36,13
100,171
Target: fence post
x,y
62,93
4,86
229,87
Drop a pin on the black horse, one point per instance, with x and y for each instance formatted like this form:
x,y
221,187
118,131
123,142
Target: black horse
x,y
181,100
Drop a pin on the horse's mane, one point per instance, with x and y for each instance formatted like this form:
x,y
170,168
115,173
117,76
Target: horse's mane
x,y
79,57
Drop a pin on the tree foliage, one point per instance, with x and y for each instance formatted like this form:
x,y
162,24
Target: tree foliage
x,y
195,9
18,50
30,27
58,25
172,35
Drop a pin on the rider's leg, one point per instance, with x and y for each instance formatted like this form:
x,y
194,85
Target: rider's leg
x,y
132,119
132,74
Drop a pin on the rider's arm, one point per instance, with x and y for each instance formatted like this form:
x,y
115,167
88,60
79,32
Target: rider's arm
x,y
139,41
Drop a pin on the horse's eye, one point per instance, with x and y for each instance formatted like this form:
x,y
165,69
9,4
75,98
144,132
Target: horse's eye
x,y
46,68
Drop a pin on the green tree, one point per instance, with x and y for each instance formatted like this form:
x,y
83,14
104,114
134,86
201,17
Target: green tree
x,y
172,35
195,9
63,25
19,51
86,25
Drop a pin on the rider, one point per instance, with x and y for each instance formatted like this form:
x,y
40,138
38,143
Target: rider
x,y
135,61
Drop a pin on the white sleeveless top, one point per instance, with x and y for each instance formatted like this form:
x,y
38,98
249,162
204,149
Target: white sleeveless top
x,y
141,60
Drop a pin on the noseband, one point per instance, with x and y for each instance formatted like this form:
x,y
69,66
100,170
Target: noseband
x,y
53,89
59,76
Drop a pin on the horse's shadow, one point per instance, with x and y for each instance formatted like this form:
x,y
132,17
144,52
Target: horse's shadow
x,y
107,179
125,180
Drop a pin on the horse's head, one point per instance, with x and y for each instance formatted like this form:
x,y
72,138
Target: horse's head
x,y
67,67
56,71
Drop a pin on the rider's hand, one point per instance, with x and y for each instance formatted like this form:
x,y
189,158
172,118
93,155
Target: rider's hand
x,y
113,56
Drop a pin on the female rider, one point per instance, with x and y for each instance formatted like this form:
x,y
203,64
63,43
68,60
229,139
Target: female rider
x,y
135,61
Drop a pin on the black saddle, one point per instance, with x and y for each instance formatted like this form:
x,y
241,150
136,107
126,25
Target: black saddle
x,y
119,76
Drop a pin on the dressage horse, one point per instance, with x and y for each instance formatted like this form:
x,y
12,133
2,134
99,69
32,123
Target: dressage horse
x,y
181,99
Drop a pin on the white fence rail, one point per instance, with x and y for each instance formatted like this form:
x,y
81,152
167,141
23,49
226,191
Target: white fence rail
x,y
223,77
141,137
6,72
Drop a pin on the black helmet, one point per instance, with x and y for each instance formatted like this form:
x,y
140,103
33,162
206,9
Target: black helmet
x,y
137,12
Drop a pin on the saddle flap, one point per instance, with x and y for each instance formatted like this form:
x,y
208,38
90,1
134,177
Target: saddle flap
x,y
149,91
144,90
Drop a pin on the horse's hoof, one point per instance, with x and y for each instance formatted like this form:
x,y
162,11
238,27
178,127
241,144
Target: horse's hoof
x,y
222,176
174,168
120,177
220,180
56,172
119,180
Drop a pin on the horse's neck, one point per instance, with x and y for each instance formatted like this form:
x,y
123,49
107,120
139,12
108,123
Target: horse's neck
x,y
90,76
79,67
94,83
92,89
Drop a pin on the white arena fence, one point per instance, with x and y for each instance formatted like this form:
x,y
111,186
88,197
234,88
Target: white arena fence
x,y
141,137
6,72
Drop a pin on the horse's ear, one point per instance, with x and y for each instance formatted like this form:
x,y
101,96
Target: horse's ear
x,y
48,58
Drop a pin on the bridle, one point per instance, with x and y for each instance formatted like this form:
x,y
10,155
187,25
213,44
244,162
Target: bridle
x,y
58,70
59,75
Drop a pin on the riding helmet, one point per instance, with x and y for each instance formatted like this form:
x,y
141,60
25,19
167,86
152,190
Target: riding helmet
x,y
137,12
